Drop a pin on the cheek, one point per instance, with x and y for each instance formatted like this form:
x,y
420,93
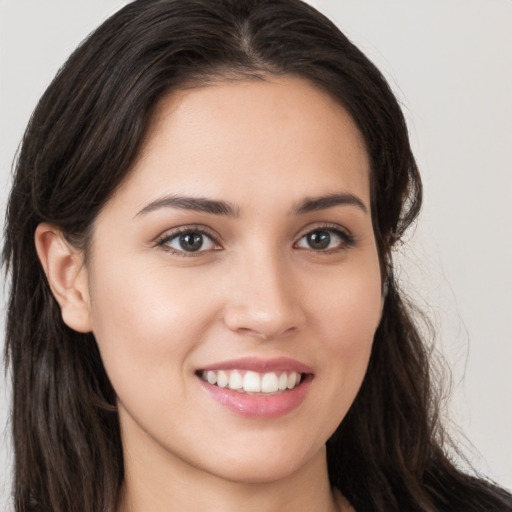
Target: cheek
x,y
347,315
349,306
146,322
348,341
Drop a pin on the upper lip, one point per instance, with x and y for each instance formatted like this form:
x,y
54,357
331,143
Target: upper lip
x,y
259,365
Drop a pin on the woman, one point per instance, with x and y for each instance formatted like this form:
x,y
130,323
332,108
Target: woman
x,y
199,238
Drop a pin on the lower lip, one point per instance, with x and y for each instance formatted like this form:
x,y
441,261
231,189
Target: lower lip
x,y
258,406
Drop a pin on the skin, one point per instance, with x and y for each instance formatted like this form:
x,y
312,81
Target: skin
x,y
257,290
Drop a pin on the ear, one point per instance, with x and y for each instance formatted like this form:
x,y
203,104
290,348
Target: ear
x,y
67,276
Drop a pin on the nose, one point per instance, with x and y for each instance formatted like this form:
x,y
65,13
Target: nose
x,y
264,299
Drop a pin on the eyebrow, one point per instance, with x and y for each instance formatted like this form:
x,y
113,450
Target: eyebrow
x,y
197,204
323,202
215,207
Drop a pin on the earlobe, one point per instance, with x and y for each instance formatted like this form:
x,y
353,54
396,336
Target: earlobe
x,y
66,275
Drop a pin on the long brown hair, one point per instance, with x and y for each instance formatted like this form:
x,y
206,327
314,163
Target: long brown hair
x,y
79,146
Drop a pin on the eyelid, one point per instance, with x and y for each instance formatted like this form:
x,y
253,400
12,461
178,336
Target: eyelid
x,y
169,234
314,226
160,241
348,238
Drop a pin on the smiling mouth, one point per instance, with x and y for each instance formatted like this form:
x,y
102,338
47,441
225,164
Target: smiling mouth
x,y
251,382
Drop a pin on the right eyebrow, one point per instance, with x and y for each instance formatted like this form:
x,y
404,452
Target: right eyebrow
x,y
197,204
329,201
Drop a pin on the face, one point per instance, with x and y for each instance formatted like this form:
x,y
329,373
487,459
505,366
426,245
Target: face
x,y
234,282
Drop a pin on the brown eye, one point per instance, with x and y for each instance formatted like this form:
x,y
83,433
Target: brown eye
x,y
319,240
189,241
324,239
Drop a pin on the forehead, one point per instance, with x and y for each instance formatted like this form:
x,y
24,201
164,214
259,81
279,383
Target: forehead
x,y
234,137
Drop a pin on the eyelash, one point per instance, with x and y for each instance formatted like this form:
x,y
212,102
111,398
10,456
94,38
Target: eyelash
x,y
168,237
347,240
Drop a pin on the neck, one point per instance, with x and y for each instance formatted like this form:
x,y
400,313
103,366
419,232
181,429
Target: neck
x,y
178,487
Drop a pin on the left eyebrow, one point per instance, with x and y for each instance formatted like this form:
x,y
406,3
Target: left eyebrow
x,y
198,204
323,202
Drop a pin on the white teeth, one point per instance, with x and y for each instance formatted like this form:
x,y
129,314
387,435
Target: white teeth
x,y
235,380
269,383
252,382
222,379
283,381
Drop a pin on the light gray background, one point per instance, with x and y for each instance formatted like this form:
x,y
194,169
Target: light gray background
x,y
449,61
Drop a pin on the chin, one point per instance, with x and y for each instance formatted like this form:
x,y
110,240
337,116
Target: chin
x,y
264,466
265,474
